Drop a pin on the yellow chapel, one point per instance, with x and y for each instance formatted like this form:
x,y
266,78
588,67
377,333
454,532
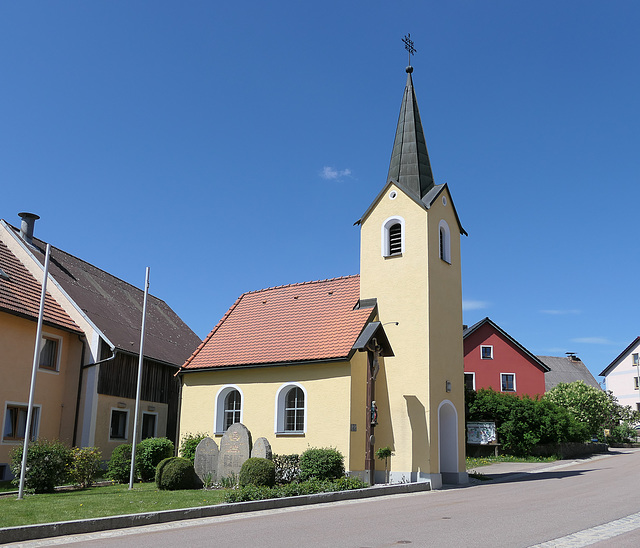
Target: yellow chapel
x,y
359,362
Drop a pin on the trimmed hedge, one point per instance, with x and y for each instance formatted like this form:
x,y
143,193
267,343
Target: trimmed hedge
x,y
175,473
321,464
119,466
149,453
257,471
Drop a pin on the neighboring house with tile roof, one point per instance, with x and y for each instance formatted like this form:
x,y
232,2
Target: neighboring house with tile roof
x,y
494,359
359,362
58,367
621,375
569,369
108,314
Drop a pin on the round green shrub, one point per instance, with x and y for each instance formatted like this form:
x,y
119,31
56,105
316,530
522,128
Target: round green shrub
x,y
149,453
48,465
119,467
323,464
175,473
259,472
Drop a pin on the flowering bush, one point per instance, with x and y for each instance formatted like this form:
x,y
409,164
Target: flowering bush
x,y
48,465
85,465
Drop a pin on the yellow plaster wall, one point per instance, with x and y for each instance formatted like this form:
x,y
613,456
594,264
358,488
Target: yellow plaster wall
x,y
328,403
400,284
103,421
55,391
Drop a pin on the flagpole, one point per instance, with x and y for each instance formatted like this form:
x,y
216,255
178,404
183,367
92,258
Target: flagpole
x,y
34,370
139,388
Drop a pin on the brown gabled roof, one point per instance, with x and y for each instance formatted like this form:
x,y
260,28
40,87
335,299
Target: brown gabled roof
x,y
20,294
115,308
312,321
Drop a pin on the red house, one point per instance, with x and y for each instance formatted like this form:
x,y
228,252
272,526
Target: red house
x,y
494,359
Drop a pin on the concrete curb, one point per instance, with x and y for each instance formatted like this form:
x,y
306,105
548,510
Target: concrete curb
x,y
32,532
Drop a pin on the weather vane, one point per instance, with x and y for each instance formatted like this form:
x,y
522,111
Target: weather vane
x,y
408,45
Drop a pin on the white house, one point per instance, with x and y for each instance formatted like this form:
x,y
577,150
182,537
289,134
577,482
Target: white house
x,y
621,375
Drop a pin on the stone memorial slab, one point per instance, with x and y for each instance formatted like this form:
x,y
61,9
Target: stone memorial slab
x,y
206,461
262,449
235,448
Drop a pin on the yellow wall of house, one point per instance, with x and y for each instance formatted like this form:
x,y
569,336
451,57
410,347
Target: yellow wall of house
x,y
55,391
103,421
423,294
327,385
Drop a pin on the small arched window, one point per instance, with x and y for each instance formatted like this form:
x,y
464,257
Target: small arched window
x,y
393,237
291,409
445,241
232,407
228,408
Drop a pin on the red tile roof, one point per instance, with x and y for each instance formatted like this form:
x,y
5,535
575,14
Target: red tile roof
x,y
20,293
290,323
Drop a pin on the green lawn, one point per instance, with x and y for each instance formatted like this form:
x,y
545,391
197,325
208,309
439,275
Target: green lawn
x,y
96,502
475,462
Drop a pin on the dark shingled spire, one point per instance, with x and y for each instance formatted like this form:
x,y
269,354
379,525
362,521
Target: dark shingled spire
x,y
410,166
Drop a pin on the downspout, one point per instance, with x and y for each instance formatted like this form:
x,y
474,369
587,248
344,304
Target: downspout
x,y
84,366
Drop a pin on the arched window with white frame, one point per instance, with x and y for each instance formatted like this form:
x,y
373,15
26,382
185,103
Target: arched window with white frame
x,y
228,408
393,237
291,409
444,235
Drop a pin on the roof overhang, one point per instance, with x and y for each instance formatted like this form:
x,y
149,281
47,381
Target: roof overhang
x,y
374,330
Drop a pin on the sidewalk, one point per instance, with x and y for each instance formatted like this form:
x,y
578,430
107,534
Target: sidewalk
x,y
502,471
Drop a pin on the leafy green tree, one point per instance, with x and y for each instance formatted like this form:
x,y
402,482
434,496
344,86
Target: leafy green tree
x,y
588,405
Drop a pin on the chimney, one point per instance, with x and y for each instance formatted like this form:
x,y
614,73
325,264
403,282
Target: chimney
x,y
26,228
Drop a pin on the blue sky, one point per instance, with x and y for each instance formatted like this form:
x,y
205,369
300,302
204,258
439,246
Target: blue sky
x,y
231,147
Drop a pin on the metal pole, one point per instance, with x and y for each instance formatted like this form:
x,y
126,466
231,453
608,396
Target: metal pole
x,y
36,359
139,388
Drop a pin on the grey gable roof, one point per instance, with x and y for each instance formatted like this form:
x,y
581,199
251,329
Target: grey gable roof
x,y
566,370
115,308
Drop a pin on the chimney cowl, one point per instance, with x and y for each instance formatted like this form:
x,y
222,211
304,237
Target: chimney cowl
x,y
26,227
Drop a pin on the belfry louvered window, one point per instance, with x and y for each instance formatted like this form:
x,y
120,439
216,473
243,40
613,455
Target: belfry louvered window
x,y
395,239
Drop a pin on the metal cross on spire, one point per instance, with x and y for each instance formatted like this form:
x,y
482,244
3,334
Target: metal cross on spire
x,y
408,45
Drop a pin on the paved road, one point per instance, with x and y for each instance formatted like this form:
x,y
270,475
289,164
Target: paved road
x,y
591,502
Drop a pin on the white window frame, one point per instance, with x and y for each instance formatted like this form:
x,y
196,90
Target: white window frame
x,y
386,225
482,347
473,375
126,423
634,359
58,339
515,389
155,424
444,241
280,415
35,420
221,396
635,383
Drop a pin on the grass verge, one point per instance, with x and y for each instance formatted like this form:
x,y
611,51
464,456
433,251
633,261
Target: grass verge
x,y
95,502
475,462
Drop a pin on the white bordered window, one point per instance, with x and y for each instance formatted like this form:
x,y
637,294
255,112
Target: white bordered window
x,y
228,407
393,237
149,425
50,352
508,382
634,358
291,409
635,383
444,235
15,422
470,381
119,424
486,352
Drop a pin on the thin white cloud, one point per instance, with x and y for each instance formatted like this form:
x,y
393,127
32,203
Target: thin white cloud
x,y
592,340
560,312
333,174
473,305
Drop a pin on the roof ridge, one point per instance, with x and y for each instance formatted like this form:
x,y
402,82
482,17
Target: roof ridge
x,y
15,229
300,284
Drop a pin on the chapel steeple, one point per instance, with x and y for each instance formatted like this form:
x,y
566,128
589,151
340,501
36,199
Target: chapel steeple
x,y
410,167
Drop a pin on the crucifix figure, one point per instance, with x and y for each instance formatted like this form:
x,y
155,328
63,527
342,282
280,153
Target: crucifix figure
x,y
408,45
